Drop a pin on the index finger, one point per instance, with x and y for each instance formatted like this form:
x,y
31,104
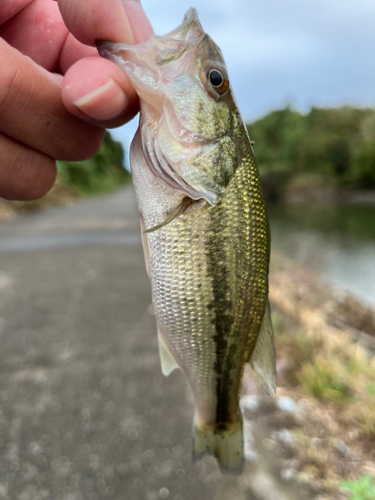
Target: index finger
x,y
115,20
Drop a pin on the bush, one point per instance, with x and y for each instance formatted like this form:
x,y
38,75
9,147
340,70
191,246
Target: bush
x,y
101,173
338,144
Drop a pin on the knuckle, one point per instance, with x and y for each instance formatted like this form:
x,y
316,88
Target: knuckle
x,y
42,184
85,146
27,177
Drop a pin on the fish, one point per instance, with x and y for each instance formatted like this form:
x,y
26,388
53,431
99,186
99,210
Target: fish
x,y
204,225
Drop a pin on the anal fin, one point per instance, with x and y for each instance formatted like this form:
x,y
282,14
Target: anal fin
x,y
168,363
262,360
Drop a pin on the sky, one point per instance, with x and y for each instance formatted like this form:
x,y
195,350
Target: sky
x,y
299,52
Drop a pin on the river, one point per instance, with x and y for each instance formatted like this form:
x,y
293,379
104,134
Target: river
x,y
337,241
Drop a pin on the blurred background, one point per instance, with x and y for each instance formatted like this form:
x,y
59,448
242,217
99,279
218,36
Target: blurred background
x,y
84,410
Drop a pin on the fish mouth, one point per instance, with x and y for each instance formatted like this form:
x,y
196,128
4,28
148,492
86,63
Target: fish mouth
x,y
153,56
104,48
189,30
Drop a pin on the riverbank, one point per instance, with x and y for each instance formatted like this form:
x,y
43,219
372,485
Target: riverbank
x,y
305,188
322,426
276,187
322,148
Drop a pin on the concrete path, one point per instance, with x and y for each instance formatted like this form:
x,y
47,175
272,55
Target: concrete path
x,y
85,412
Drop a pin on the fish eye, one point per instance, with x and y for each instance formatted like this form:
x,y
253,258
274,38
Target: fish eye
x,y
217,79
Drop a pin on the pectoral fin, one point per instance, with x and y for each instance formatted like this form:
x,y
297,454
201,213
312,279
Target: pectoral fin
x,y
146,250
168,363
179,210
262,360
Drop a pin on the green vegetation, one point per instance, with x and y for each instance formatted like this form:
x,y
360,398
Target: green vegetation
x,y
331,373
363,489
336,145
325,364
322,382
100,174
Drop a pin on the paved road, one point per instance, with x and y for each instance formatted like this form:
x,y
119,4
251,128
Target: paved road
x,y
84,410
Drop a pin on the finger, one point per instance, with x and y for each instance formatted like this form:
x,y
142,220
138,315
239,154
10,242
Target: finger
x,y
97,90
38,31
32,111
73,51
10,8
114,20
25,174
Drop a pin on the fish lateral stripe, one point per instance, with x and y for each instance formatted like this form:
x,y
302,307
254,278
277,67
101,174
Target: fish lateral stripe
x,y
222,309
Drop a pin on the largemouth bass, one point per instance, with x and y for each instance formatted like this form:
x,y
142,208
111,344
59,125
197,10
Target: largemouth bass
x,y
204,227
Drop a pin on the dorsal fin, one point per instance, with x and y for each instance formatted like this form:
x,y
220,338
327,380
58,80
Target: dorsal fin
x,y
262,360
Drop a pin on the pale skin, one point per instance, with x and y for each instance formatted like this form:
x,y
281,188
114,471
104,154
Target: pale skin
x,y
56,94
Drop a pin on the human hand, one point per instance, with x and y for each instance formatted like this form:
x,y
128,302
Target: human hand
x,y
56,93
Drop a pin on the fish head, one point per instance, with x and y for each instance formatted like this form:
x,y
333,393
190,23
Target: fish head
x,y
193,130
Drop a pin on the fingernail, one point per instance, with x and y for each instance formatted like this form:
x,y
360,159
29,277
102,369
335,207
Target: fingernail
x,y
139,23
104,103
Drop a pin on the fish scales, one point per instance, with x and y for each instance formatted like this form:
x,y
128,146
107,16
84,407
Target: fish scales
x,y
215,254
199,192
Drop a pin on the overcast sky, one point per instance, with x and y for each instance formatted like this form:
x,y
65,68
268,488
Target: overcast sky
x,y
303,52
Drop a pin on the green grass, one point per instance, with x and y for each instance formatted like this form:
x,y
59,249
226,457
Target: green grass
x,y
330,368
362,489
371,389
322,381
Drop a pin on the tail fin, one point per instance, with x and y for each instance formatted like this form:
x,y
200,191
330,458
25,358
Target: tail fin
x,y
224,442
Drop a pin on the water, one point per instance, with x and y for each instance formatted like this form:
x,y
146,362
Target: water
x,y
337,241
